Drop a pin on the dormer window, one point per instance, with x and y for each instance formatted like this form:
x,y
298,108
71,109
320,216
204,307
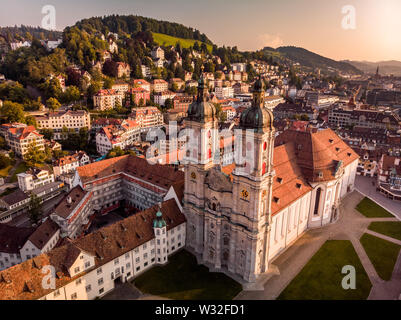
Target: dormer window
x,y
337,149
299,186
76,270
331,141
280,180
276,200
320,174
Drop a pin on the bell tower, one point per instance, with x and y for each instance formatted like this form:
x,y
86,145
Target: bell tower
x,y
253,181
201,148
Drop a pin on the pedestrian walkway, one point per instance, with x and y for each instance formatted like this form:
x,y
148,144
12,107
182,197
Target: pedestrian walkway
x,y
350,226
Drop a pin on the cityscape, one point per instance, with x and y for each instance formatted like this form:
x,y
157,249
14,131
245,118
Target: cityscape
x,y
142,160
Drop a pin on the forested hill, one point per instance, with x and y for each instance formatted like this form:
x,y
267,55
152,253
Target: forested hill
x,y
132,24
17,33
312,60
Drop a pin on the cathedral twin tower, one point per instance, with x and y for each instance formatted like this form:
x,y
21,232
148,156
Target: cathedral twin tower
x,y
228,208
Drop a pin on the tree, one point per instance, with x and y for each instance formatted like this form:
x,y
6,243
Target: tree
x,y
12,111
31,121
168,104
47,133
34,155
53,104
4,161
35,210
72,94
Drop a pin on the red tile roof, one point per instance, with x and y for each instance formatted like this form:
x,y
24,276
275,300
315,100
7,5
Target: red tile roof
x,y
24,281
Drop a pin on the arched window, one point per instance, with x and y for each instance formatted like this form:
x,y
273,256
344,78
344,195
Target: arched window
x,y
317,201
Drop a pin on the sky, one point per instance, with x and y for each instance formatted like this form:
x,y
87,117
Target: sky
x,y
371,30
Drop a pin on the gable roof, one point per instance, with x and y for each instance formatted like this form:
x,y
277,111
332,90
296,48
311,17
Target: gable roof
x,y
12,239
161,175
318,152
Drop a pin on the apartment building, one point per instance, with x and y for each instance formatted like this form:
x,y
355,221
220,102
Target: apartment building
x,y
113,136
141,83
224,92
161,97
342,117
138,96
107,99
34,178
70,163
147,117
56,121
159,85
20,137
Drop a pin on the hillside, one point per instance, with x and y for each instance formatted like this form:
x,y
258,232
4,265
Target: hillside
x,y
166,40
16,33
314,61
385,67
132,24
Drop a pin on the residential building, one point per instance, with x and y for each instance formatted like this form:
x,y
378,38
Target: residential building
x,y
141,83
389,177
147,117
161,97
34,178
20,137
69,164
224,92
159,85
114,136
107,99
181,103
138,96
157,53
56,121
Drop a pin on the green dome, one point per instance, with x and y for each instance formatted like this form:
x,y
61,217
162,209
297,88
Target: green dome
x,y
159,221
257,117
201,110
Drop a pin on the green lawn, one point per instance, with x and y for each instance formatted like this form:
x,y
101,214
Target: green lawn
x,y
166,40
4,172
183,279
382,254
371,210
388,228
22,167
321,278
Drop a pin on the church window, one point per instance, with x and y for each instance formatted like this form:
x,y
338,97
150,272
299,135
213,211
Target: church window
x,y
264,168
225,255
244,194
317,201
265,146
226,241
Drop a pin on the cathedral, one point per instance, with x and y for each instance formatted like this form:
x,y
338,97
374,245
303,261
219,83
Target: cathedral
x,y
242,216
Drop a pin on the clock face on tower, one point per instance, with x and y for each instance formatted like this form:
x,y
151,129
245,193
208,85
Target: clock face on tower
x,y
244,194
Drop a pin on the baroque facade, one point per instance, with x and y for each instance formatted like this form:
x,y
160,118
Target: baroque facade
x,y
241,217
